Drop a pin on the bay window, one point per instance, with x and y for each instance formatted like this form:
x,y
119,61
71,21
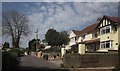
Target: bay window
x,y
106,44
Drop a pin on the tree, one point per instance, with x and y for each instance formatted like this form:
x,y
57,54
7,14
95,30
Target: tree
x,y
55,38
65,37
6,45
52,37
32,44
15,24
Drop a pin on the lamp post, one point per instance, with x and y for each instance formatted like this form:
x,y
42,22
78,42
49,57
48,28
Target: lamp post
x,y
36,40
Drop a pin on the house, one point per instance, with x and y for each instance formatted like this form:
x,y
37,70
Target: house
x,y
102,36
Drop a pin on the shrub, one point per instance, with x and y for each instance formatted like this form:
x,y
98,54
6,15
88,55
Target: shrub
x,y
57,54
117,68
9,60
61,66
45,57
15,51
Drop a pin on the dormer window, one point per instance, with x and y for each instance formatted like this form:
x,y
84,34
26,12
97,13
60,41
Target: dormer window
x,y
106,29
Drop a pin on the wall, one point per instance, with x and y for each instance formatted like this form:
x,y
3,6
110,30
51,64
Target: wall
x,y
110,36
72,34
116,39
119,35
113,35
81,48
72,38
90,60
88,37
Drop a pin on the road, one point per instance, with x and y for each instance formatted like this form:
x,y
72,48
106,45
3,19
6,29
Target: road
x,y
34,62
0,59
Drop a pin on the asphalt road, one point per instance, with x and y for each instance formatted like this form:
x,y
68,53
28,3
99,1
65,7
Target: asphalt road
x,y
0,59
34,62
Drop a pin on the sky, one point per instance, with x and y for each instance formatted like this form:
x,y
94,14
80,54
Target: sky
x,y
62,16
0,23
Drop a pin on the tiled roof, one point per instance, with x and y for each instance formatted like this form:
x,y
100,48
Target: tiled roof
x,y
88,29
92,27
113,18
77,32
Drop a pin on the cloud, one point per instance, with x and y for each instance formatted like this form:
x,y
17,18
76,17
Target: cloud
x,y
59,0
66,19
0,23
26,5
66,16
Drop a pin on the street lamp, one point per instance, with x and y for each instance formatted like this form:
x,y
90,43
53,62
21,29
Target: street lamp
x,y
36,40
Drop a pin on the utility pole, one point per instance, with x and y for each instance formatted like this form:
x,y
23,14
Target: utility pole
x,y
36,40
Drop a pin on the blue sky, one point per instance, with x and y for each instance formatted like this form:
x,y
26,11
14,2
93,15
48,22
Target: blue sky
x,y
62,16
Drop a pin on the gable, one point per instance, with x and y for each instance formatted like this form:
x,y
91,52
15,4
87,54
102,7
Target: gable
x,y
108,20
104,22
72,34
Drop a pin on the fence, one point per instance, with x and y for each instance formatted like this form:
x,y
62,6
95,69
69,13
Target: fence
x,y
90,60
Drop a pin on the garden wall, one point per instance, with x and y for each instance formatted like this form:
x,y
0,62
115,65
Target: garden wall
x,y
90,60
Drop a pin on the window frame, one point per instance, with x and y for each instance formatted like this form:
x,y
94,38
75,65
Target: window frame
x,y
104,30
103,45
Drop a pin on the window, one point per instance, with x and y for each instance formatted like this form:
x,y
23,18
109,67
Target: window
x,y
94,35
102,45
106,44
83,36
105,30
72,39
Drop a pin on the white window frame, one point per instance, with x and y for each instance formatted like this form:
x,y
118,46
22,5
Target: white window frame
x,y
104,28
104,43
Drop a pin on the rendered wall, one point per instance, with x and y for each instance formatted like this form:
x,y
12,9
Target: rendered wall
x,y
90,60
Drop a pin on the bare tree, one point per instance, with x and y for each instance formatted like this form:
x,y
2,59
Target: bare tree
x,y
15,24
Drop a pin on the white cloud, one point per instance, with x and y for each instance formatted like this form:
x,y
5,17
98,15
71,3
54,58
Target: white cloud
x,y
66,19
59,0
0,23
26,5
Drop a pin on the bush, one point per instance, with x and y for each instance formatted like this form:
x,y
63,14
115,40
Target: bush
x,y
61,66
15,51
9,60
45,57
117,68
